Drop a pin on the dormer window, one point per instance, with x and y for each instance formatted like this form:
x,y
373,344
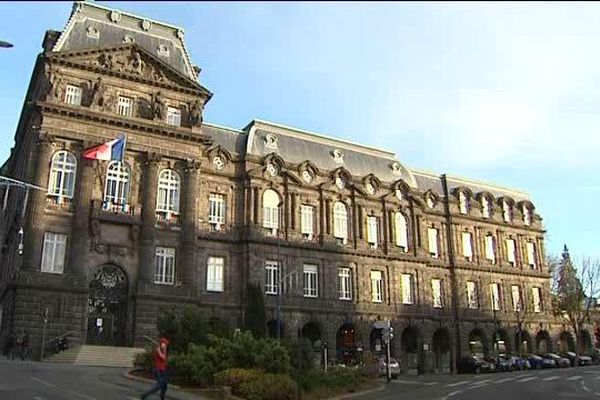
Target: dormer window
x,y
486,207
430,200
463,203
526,216
506,211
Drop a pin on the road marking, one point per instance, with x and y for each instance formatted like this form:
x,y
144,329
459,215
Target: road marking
x,y
597,393
506,380
587,389
452,394
81,395
43,382
551,378
458,383
37,398
574,378
597,378
431,383
527,379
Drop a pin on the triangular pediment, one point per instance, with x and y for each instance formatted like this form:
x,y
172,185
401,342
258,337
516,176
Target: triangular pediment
x,y
131,61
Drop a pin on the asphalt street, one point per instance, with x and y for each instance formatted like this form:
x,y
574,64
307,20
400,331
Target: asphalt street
x,y
21,380
549,384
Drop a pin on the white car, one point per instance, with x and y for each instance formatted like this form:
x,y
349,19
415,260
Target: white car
x,y
394,367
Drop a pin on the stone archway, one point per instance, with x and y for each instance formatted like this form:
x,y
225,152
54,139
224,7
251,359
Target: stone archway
x,y
501,341
409,342
377,346
346,343
312,333
566,342
272,326
441,349
585,342
523,343
478,345
107,307
543,342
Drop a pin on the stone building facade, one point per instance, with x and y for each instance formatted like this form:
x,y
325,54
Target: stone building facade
x,y
345,233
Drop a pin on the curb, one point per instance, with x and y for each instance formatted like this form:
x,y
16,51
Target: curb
x,y
140,379
356,394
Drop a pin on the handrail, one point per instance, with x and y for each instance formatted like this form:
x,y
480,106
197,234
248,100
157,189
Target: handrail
x,y
59,337
148,338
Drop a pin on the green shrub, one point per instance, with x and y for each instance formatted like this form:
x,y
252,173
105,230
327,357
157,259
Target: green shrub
x,y
144,360
236,377
335,377
269,387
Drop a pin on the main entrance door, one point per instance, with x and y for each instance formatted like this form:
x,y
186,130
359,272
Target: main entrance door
x,y
107,307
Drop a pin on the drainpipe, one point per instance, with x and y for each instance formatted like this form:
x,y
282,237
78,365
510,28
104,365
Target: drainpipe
x,y
453,283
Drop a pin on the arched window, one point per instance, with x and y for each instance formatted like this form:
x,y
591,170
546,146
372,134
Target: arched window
x,y
401,228
507,210
340,221
270,206
486,207
62,176
463,203
116,191
169,187
526,215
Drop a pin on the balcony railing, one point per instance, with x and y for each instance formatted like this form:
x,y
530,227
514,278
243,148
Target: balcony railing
x,y
59,203
168,218
111,211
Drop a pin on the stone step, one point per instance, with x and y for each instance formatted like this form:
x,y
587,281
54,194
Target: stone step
x,y
107,356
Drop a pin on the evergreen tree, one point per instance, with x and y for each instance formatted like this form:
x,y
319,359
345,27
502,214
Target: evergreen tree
x,y
255,319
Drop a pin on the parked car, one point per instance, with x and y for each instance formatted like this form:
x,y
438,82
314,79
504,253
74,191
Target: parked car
x,y
537,362
560,361
470,364
585,360
577,360
505,363
489,364
547,361
520,363
394,367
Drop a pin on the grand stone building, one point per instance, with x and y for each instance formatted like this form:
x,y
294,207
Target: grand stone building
x,y
346,234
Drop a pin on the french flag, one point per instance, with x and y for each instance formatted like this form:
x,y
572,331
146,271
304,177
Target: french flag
x,y
113,150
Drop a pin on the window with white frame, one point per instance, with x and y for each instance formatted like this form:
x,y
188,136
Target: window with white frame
x,y
62,177
214,274
511,249
472,295
340,221
436,290
125,106
310,273
536,296
270,210
169,187
376,286
372,231
526,215
467,245
490,254
164,272
495,294
506,211
401,228
73,95
173,116
307,215
53,253
531,254
432,235
216,210
116,191
516,297
463,203
271,277
345,283
407,289
486,207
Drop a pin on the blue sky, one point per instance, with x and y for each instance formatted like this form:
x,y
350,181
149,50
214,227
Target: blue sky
x,y
502,92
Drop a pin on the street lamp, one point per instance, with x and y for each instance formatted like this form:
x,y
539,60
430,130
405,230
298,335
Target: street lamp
x,y
5,45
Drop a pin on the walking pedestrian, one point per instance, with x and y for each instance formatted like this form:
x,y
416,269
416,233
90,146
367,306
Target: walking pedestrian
x,y
26,350
160,369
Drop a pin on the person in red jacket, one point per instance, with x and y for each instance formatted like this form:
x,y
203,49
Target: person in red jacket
x,y
160,368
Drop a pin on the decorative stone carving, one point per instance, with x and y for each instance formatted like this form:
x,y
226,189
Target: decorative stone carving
x,y
196,113
396,169
399,194
270,141
272,169
339,182
106,61
136,64
128,39
115,16
92,32
191,165
370,188
97,93
219,162
307,176
338,156
146,25
53,86
159,107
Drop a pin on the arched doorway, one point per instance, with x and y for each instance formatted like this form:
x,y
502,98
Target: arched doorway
x,y
585,342
523,344
409,343
441,349
565,342
376,342
272,329
543,342
478,343
312,333
107,307
346,344
501,342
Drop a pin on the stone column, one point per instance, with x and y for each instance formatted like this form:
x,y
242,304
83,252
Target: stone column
x,y
81,221
34,231
146,244
187,266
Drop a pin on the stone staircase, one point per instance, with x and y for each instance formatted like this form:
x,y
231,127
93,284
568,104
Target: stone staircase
x,y
101,356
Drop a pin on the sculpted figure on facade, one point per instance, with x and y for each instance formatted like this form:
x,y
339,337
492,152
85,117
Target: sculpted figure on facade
x,y
196,113
136,64
106,61
97,93
159,107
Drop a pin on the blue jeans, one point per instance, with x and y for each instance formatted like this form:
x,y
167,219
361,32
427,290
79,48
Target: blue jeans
x,y
161,384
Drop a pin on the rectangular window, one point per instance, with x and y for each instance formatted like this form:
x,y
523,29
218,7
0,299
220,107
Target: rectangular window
x,y
376,286
73,95
510,251
467,245
495,293
306,221
345,283
271,277
125,106
536,295
164,272
472,295
214,274
436,289
372,231
407,289
53,253
310,280
432,234
516,297
531,254
489,249
271,218
216,210
173,116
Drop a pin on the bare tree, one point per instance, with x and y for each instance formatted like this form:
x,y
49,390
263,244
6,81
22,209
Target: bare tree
x,y
574,291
